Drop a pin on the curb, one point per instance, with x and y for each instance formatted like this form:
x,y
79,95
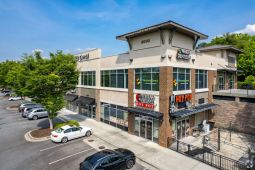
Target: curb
x,y
30,138
11,109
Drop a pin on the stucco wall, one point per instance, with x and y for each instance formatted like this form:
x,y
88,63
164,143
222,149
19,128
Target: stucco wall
x,y
114,97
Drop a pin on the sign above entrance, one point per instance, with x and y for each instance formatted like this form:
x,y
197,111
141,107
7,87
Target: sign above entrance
x,y
145,100
183,54
183,98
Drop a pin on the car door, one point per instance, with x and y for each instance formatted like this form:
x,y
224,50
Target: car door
x,y
116,162
69,133
76,132
104,165
44,113
39,113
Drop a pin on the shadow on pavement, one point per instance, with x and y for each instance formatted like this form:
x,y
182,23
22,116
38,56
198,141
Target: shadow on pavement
x,y
44,123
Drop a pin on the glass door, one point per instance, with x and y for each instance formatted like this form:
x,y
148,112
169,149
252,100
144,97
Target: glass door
x,y
221,82
142,128
183,128
179,130
149,130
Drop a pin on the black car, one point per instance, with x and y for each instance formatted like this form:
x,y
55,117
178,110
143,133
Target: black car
x,y
117,159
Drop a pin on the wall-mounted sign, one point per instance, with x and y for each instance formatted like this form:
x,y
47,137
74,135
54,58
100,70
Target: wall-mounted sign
x,y
183,54
145,100
171,103
145,41
183,98
83,57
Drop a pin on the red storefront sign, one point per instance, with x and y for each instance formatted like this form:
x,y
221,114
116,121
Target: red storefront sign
x,y
183,98
145,100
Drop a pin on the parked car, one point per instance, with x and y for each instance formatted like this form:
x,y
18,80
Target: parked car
x,y
15,98
67,132
23,105
29,109
118,159
37,113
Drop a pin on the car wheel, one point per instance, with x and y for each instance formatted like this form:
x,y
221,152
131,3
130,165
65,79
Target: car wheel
x,y
130,164
64,140
88,133
35,117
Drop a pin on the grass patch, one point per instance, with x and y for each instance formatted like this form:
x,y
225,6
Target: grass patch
x,y
70,122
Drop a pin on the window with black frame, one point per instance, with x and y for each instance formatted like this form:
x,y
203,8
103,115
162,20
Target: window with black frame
x,y
181,79
114,115
88,78
201,79
114,78
147,79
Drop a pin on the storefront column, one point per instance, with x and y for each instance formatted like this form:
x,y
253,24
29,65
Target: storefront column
x,y
226,80
97,98
165,90
211,77
235,80
193,86
131,116
192,123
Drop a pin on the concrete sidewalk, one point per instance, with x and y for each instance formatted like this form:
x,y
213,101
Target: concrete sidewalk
x,y
149,153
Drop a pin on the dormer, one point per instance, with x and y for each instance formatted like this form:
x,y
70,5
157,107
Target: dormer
x,y
166,34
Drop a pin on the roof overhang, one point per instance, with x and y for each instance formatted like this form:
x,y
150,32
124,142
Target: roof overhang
x,y
85,101
146,112
226,47
171,25
71,97
193,110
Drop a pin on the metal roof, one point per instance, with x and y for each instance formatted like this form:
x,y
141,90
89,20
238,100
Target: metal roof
x,y
146,112
165,25
220,47
71,97
85,101
193,110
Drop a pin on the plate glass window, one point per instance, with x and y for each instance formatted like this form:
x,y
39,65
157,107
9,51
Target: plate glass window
x,y
181,79
88,78
114,78
147,79
201,79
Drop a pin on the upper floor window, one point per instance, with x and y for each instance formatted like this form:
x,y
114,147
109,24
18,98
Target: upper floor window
x,y
147,79
181,79
114,78
201,79
88,78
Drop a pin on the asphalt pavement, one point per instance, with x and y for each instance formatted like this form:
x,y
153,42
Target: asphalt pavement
x,y
18,154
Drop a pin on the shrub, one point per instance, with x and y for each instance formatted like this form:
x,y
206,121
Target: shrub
x,y
70,122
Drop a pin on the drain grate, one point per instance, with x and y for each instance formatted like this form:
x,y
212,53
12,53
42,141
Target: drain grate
x,y
101,147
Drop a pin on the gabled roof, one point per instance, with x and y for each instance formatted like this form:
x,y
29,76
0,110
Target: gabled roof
x,y
165,25
220,47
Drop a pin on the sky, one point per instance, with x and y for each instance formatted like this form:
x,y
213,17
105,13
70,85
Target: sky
x,y
78,25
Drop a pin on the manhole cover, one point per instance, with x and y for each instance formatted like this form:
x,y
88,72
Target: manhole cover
x,y
91,140
101,147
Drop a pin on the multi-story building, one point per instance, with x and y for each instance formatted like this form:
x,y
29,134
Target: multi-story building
x,y
160,89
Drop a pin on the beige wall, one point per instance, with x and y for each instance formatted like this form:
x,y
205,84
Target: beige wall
x,y
114,97
201,95
182,41
81,91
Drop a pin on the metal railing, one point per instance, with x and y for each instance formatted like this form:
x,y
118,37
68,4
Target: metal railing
x,y
208,156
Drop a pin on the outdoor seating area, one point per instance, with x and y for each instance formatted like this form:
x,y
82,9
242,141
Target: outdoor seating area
x,y
203,128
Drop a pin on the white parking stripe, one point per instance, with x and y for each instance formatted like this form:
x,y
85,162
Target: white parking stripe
x,y
57,145
70,156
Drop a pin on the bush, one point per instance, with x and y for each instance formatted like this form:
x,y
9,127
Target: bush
x,y
70,122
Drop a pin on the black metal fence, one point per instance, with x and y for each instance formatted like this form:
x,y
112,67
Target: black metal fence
x,y
208,156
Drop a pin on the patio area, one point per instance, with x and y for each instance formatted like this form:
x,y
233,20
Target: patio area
x,y
236,92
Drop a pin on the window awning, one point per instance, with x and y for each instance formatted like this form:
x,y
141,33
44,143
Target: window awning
x,y
193,110
146,112
85,101
71,97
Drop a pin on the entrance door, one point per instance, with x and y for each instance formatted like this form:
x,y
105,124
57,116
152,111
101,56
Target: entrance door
x,y
182,128
149,130
221,82
142,128
179,130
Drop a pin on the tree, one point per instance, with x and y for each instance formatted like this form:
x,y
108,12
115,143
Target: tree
x,y
246,60
46,79
5,67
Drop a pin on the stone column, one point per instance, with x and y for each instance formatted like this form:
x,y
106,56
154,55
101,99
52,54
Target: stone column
x,y
131,116
193,86
165,90
97,98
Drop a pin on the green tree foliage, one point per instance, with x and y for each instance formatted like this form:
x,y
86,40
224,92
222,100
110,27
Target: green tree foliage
x,y
5,67
246,60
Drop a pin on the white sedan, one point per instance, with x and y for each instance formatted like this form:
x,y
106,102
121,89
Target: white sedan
x,y
14,98
67,132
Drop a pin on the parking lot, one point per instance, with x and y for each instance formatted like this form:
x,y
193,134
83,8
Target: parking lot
x,y
17,153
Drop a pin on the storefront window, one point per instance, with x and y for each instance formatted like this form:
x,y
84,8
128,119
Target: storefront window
x,y
88,78
114,78
201,79
181,79
114,115
147,79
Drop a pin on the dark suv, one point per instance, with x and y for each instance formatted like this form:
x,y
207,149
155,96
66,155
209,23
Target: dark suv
x,y
118,159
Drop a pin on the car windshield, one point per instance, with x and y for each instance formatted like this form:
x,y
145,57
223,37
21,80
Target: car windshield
x,y
86,165
59,130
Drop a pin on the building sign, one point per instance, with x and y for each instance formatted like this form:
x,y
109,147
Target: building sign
x,y
183,54
183,98
145,100
83,57
145,41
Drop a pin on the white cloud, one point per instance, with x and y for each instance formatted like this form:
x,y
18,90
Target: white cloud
x,y
37,50
249,29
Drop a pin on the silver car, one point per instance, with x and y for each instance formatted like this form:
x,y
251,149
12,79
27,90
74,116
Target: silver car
x,y
28,109
37,113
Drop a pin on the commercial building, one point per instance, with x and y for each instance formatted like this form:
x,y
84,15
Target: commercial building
x,y
160,89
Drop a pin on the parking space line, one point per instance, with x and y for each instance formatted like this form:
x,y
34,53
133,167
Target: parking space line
x,y
57,145
70,156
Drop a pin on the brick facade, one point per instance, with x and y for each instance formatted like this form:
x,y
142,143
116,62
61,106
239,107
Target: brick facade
x,y
165,90
131,116
240,114
211,78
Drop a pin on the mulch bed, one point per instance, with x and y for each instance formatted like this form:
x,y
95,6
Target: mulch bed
x,y
14,106
39,133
